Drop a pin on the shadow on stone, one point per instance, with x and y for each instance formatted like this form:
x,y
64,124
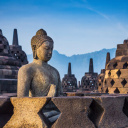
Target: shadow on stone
x,y
115,65
125,107
49,113
118,73
6,111
95,113
116,90
125,65
107,90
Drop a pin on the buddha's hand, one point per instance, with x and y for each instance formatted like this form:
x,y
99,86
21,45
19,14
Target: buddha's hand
x,y
52,91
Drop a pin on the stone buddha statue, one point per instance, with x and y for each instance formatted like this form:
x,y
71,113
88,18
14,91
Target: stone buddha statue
x,y
39,78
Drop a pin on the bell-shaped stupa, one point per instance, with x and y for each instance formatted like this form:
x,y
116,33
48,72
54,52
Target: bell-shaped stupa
x,y
16,50
116,74
9,67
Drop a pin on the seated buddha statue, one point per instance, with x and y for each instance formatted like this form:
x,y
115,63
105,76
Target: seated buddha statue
x,y
38,78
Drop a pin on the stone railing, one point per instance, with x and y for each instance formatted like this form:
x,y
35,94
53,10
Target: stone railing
x,y
106,111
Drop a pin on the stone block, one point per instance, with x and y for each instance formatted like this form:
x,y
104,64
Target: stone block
x,y
124,59
1,46
106,74
27,113
108,82
111,90
106,111
123,90
74,112
120,46
113,74
125,52
7,72
1,72
118,83
6,110
119,53
112,116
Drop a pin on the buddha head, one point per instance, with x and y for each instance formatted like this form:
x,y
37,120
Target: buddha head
x,y
42,46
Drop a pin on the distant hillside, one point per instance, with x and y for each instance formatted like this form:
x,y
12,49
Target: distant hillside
x,y
80,63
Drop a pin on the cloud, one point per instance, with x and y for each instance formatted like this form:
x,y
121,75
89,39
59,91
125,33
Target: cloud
x,y
85,4
98,12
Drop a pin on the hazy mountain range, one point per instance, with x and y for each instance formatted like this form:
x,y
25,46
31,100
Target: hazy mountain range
x,y
79,63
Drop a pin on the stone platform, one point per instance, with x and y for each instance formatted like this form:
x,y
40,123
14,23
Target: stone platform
x,y
104,111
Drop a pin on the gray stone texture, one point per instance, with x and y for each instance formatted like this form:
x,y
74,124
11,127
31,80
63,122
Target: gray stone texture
x,y
9,67
105,111
89,80
38,78
26,113
16,50
69,82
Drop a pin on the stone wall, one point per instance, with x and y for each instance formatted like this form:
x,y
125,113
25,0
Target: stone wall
x,y
105,111
116,76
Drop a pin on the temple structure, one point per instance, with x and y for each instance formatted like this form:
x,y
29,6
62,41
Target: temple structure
x,y
89,80
9,67
16,50
116,74
100,79
69,82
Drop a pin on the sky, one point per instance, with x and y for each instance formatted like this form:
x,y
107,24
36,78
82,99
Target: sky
x,y
76,26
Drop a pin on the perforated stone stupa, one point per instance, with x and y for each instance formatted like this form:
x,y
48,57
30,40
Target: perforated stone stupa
x,y
100,79
16,50
89,80
116,74
9,67
69,82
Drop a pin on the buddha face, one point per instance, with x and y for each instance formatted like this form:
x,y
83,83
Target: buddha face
x,y
44,52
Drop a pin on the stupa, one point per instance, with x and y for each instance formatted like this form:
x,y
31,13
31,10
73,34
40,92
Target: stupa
x,y
116,74
16,50
100,79
9,67
69,82
89,80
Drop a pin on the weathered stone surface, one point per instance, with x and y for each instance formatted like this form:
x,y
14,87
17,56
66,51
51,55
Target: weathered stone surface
x,y
35,79
69,82
6,110
27,113
74,112
16,50
101,76
123,90
89,80
100,80
116,74
105,111
9,67
113,116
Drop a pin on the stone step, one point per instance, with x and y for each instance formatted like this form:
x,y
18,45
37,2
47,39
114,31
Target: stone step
x,y
51,113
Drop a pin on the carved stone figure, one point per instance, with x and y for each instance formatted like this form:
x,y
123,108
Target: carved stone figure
x,y
39,78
